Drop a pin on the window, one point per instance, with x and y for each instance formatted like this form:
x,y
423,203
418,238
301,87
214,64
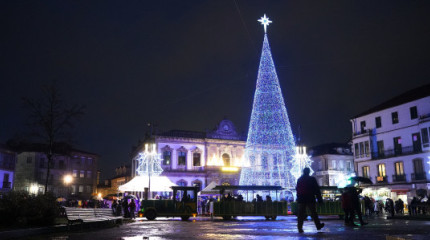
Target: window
x,y
88,174
366,171
399,168
341,165
88,189
90,161
333,164
381,151
75,173
73,188
414,112
226,159
425,135
361,149
167,156
363,126
366,148
182,183
357,151
196,160
320,168
397,145
348,166
378,122
82,174
29,159
42,163
81,188
61,164
395,117
182,158
381,170
418,166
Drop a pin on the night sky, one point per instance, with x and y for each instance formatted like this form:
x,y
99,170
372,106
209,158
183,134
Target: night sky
x,y
188,64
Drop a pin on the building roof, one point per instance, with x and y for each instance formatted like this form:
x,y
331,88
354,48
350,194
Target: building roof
x,y
224,130
330,148
183,134
409,96
60,148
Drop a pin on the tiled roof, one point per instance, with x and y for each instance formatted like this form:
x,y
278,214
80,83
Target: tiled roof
x,y
329,148
409,96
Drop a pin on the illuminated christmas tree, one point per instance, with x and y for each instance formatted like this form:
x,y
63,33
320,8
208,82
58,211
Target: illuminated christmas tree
x,y
270,146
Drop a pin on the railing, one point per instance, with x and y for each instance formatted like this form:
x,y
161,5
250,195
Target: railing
x,y
418,176
396,152
7,184
381,179
364,132
399,178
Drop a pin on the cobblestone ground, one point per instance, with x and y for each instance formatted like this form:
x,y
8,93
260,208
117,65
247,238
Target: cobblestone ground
x,y
251,228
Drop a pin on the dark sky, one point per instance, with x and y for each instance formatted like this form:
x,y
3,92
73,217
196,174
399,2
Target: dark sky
x,y
188,64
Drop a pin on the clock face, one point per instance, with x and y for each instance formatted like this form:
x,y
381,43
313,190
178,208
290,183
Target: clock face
x,y
226,128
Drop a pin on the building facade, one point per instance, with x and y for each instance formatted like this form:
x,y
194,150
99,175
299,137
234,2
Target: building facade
x,y
391,145
110,186
7,169
332,163
198,158
31,170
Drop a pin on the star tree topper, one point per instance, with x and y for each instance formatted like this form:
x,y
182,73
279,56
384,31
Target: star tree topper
x,y
265,21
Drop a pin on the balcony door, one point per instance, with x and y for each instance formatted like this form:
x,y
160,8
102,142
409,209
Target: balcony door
x,y
397,145
416,142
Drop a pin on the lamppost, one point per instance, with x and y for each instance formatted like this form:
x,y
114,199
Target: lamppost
x,y
68,179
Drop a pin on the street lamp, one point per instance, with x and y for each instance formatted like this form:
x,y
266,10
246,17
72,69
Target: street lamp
x,y
68,179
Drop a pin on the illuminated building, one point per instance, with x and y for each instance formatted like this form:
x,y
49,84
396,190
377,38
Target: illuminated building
x,y
391,145
332,163
190,158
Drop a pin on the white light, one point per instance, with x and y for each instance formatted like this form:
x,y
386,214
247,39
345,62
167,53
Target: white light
x,y
300,161
265,21
68,179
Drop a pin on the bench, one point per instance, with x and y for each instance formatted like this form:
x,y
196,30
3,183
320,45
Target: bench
x,y
90,215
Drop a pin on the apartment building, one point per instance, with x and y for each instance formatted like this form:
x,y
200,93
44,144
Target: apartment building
x,y
391,145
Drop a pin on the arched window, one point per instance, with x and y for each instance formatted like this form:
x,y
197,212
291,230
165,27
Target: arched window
x,y
182,156
196,159
226,159
181,183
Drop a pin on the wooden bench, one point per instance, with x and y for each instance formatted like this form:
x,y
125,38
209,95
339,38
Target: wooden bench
x,y
90,215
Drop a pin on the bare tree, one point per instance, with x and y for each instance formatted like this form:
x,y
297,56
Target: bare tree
x,y
51,121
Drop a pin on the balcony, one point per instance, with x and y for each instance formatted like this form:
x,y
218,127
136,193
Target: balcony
x,y
418,176
365,132
399,178
7,185
396,152
381,179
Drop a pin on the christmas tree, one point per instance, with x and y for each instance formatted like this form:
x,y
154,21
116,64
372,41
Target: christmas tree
x,y
270,146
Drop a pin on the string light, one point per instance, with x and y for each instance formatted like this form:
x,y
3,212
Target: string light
x,y
270,146
300,161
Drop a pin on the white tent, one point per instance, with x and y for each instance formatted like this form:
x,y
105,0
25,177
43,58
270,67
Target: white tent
x,y
208,190
139,183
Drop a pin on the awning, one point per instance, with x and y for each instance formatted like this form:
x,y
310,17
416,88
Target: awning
x,y
139,183
208,190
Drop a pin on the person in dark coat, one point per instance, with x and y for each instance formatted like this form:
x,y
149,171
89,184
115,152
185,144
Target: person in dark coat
x,y
307,189
347,206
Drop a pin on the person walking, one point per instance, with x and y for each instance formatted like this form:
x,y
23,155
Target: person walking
x,y
307,189
132,206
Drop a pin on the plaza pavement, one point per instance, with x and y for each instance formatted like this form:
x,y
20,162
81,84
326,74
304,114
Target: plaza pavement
x,y
249,228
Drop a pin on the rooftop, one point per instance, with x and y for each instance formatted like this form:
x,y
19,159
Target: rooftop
x,y
409,96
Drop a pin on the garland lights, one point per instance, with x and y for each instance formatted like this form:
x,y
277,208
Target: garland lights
x,y
300,161
270,146
149,162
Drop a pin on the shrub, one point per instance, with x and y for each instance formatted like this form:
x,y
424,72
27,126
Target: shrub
x,y
22,209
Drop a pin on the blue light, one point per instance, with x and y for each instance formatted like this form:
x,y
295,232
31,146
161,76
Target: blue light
x,y
270,146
